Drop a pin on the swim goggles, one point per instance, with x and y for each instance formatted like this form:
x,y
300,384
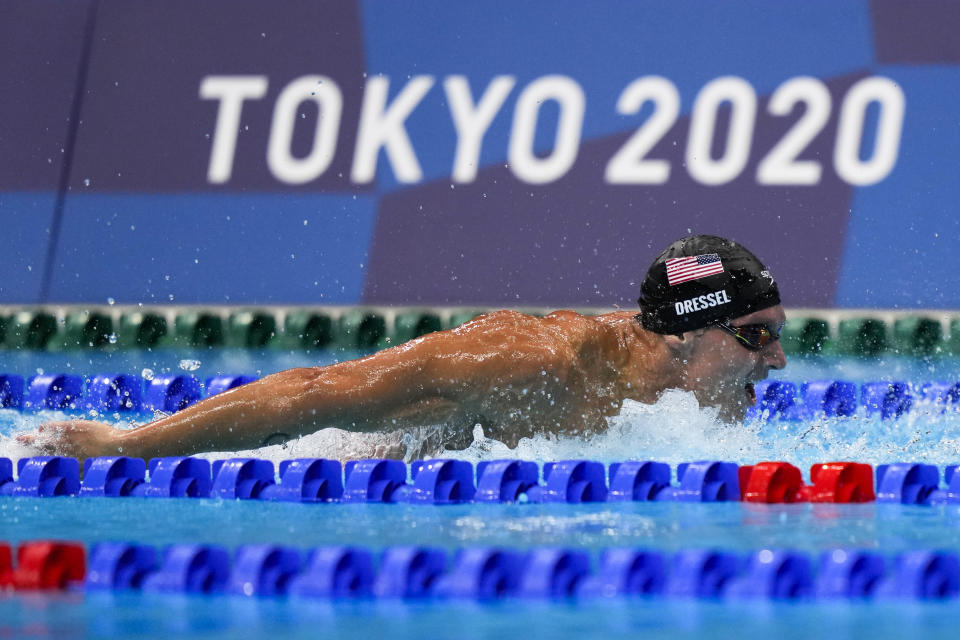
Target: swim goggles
x,y
752,336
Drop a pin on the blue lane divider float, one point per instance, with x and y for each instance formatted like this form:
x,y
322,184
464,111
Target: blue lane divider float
x,y
307,480
188,568
171,393
907,483
112,477
553,573
626,572
57,391
41,477
838,398
116,566
219,384
11,392
111,392
177,477
506,480
490,573
335,572
925,575
445,482
773,574
638,481
114,393
775,399
847,573
263,570
481,574
409,572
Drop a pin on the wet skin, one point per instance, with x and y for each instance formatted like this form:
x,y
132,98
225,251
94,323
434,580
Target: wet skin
x,y
515,374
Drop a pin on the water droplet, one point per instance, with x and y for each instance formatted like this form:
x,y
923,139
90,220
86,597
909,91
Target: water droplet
x,y
111,301
190,365
86,182
112,338
39,371
147,374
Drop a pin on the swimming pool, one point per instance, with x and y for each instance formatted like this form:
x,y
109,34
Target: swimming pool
x,y
673,431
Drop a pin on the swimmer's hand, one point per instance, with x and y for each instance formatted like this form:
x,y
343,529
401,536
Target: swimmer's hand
x,y
76,438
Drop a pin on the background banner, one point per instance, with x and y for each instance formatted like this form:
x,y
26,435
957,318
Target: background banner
x,y
476,153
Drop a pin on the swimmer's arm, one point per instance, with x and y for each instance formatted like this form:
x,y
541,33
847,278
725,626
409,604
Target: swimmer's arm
x,y
424,380
358,395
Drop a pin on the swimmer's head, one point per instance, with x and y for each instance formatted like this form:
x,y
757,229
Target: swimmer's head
x,y
700,280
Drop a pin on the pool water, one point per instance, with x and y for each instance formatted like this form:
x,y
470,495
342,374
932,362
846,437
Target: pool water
x,y
674,430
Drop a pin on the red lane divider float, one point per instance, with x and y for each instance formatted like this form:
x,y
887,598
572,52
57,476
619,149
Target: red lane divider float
x,y
43,566
6,566
781,482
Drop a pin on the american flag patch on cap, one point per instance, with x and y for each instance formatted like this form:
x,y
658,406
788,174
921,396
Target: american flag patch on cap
x,y
693,267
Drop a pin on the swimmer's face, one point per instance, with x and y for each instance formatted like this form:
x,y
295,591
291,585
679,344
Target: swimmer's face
x,y
721,371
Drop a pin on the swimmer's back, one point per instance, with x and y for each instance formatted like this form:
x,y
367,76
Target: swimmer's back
x,y
556,342
558,330
561,354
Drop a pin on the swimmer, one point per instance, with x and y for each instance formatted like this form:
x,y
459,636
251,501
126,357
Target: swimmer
x,y
709,322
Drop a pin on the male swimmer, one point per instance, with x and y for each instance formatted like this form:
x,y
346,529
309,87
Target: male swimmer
x,y
709,322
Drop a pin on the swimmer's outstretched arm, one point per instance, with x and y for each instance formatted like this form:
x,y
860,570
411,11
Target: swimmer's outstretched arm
x,y
426,379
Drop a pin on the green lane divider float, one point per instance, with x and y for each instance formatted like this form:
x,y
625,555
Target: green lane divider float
x,y
862,336
413,324
806,335
811,332
138,330
31,330
361,329
85,330
198,329
251,329
308,330
917,335
953,342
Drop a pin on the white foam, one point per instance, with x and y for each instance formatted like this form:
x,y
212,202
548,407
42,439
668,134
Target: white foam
x,y
675,429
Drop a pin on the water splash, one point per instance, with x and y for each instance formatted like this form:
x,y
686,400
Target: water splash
x,y
188,364
675,429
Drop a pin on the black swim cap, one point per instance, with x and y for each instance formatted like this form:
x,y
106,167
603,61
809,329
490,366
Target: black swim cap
x,y
701,279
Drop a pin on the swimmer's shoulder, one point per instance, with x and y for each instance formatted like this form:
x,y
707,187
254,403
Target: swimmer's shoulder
x,y
500,321
555,332
592,332
509,319
571,327
572,324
